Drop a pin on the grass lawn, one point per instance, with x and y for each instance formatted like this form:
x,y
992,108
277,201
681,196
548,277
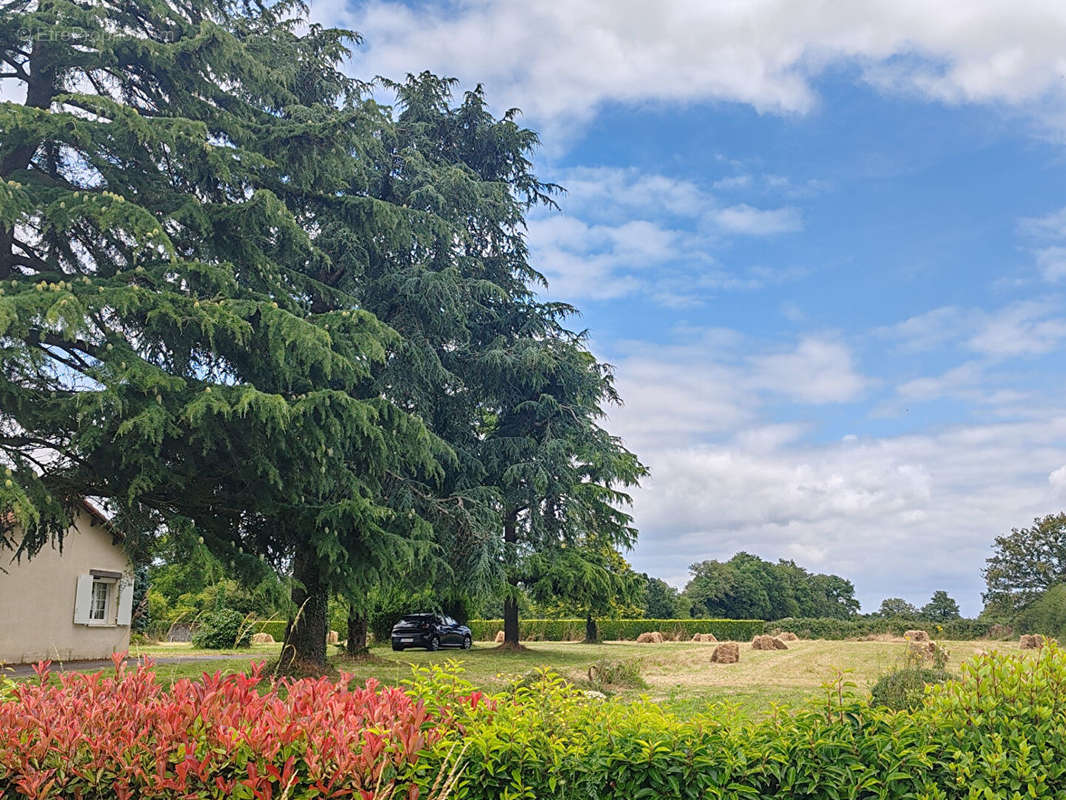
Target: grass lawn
x,y
679,675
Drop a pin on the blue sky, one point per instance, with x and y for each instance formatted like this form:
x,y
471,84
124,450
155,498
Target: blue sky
x,y
824,245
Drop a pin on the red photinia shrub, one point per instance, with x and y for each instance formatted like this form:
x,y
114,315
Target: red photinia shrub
x,y
125,736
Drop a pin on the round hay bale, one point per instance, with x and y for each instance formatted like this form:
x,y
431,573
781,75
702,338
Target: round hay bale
x,y
999,631
650,637
726,653
499,637
788,636
764,642
1031,641
262,638
916,636
704,637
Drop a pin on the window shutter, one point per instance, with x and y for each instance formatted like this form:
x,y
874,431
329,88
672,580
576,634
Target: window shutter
x,y
125,601
83,599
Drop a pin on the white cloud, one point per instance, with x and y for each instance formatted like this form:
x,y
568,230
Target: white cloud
x,y
1057,480
928,330
613,191
623,231
965,377
715,383
1022,329
899,515
757,221
563,61
12,91
1049,226
817,371
1052,262
1051,258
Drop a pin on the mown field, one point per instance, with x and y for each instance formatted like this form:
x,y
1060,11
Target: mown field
x,y
677,674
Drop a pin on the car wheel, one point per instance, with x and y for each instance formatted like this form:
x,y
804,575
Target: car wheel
x,y
434,643
466,643
397,648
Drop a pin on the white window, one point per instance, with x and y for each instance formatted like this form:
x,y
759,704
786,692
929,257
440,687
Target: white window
x,y
101,600
103,597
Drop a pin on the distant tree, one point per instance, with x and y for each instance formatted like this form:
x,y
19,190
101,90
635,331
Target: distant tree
x,y
560,475
747,587
590,577
1026,563
661,600
833,596
1046,614
897,607
940,608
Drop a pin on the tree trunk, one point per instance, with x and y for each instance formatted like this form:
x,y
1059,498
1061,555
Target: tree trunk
x,y
510,621
592,634
356,633
510,603
306,639
39,93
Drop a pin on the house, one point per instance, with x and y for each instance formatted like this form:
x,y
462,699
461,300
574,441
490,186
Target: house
x,y
69,605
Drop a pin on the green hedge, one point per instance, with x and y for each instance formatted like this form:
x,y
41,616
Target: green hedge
x,y
275,627
828,628
738,630
563,630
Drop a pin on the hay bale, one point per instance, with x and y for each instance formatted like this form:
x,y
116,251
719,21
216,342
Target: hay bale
x,y
650,637
726,653
998,631
916,636
1031,641
788,636
262,638
764,642
704,637
499,637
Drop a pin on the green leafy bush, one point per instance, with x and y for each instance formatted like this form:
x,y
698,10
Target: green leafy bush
x,y
562,630
904,689
551,741
223,629
7,686
1002,725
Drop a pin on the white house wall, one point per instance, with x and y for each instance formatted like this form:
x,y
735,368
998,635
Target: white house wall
x,y
37,599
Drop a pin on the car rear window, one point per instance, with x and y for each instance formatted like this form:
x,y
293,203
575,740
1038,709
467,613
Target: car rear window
x,y
417,618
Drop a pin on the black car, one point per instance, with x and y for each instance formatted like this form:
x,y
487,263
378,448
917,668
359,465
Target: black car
x,y
431,631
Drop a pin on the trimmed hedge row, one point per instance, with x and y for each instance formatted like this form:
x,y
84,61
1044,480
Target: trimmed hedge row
x,y
564,630
828,628
275,627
